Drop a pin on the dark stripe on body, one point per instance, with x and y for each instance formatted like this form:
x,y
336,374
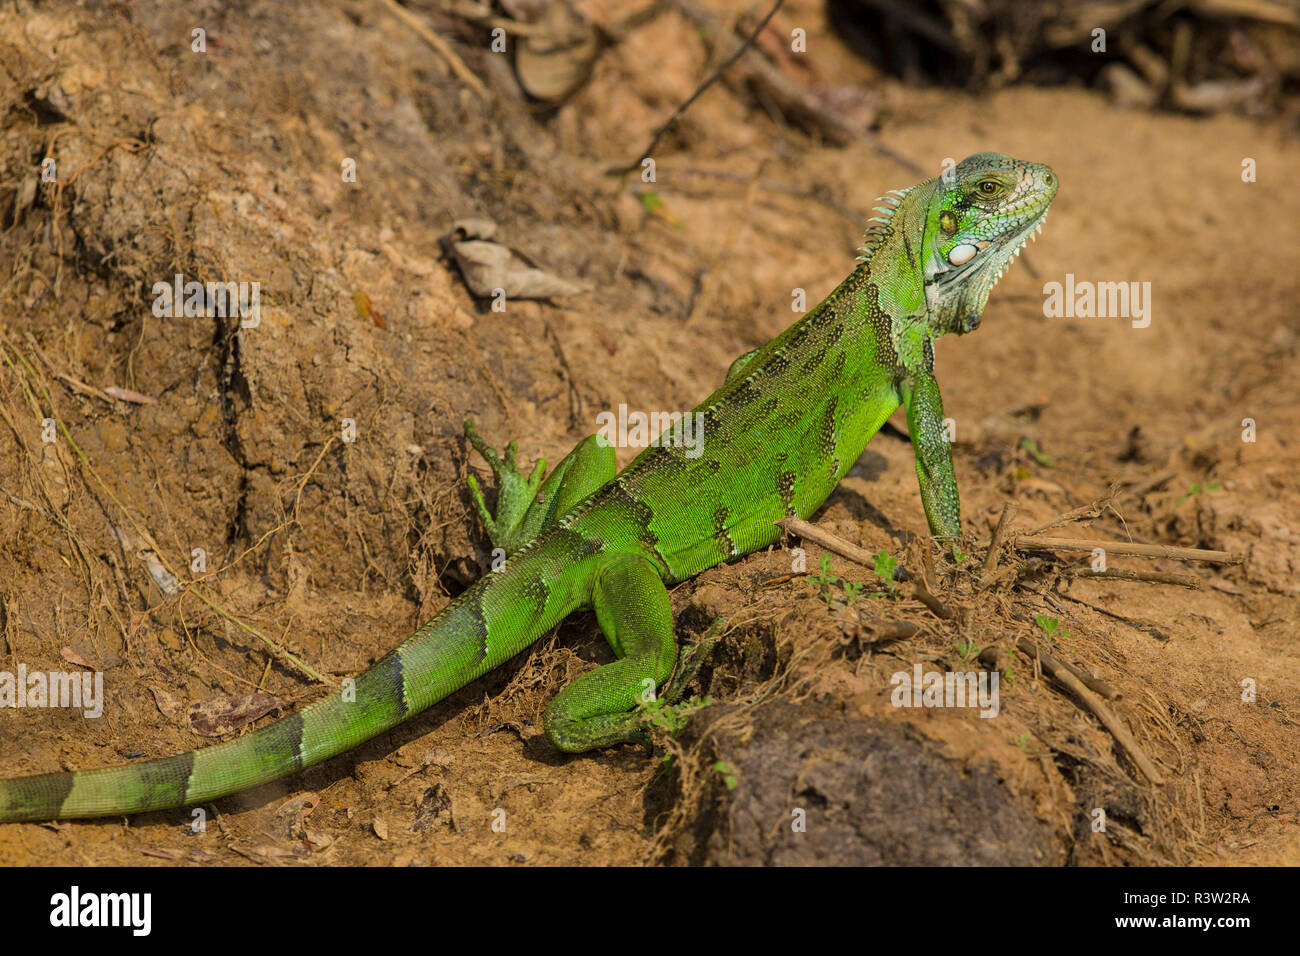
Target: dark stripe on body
x,y
534,592
720,534
385,683
43,794
785,487
270,745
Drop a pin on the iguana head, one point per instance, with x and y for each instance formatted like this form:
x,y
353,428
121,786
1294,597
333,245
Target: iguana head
x,y
977,220
937,249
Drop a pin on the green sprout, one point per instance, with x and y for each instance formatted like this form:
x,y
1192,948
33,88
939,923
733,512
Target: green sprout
x,y
1197,488
886,563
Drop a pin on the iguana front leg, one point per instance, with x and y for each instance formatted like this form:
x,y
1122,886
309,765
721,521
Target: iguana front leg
x,y
933,453
526,506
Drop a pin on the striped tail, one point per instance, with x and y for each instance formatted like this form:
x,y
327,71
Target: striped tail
x,y
480,629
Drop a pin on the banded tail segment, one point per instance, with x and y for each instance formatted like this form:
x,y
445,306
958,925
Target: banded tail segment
x,y
476,632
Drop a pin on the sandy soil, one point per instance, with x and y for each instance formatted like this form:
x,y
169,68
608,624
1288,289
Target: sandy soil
x,y
226,165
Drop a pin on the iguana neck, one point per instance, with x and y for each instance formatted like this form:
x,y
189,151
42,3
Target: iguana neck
x,y
893,255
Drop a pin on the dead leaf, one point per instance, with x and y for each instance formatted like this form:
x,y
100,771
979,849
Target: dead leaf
x,y
70,655
290,817
488,266
126,395
169,705
304,802
318,839
366,310
434,809
218,716
380,827
555,60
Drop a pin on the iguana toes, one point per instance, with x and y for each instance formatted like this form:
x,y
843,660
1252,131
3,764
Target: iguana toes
x,y
783,429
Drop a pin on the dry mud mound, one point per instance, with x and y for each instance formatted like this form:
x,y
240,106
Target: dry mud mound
x,y
853,792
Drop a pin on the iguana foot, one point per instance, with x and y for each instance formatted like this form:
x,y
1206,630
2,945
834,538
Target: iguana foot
x,y
671,711
515,493
688,666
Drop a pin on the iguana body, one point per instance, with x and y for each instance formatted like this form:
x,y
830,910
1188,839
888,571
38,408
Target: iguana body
x,y
789,421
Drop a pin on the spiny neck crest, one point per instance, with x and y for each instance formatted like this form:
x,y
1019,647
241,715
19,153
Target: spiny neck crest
x,y
878,227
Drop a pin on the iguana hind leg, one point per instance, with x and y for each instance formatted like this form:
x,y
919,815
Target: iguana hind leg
x,y
528,505
615,703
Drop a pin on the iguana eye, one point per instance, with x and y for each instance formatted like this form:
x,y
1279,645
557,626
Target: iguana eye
x,y
989,188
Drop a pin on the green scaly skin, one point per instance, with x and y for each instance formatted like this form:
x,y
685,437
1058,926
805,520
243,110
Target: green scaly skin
x,y
780,433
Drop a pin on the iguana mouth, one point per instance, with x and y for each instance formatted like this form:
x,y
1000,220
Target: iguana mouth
x,y
966,256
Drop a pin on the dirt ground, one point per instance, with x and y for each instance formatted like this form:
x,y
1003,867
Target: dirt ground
x,y
225,165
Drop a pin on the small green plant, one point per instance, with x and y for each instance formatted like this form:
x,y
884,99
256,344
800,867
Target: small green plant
x,y
825,579
1022,742
1036,453
958,555
885,565
1049,626
671,718
651,200
1008,675
967,649
727,773
1197,488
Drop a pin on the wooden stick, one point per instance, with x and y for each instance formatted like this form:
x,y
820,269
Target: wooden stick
x,y
883,632
846,549
1126,574
937,607
995,545
1092,683
1099,708
831,542
1078,514
892,630
1025,543
442,47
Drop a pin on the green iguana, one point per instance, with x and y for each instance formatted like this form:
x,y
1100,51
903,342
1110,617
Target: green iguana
x,y
784,428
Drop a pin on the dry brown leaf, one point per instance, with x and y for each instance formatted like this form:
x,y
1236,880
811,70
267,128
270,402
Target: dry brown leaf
x,y
217,716
556,60
70,655
126,395
169,704
488,267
